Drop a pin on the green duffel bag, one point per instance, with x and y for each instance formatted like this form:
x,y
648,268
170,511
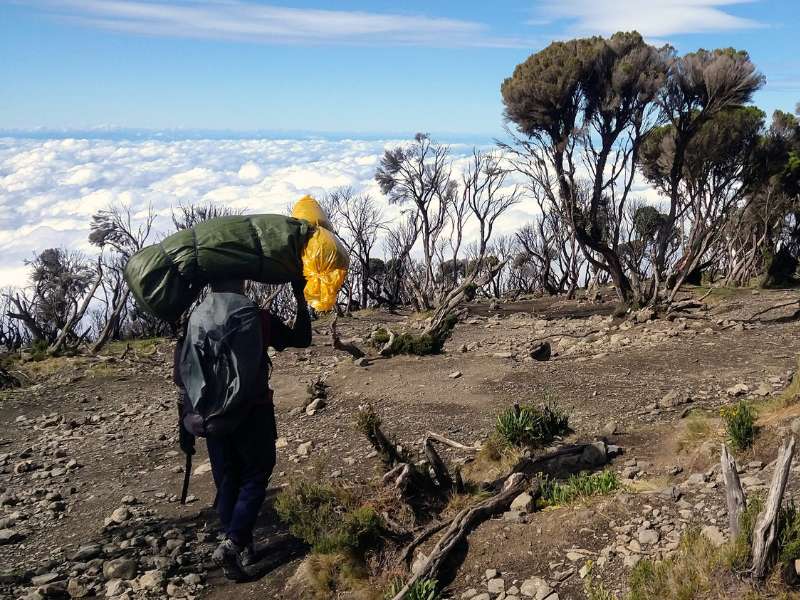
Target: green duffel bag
x,y
167,277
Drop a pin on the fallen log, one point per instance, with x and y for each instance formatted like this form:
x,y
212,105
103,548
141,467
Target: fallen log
x,y
460,527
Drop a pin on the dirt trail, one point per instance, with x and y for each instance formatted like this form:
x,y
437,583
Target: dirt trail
x,y
91,432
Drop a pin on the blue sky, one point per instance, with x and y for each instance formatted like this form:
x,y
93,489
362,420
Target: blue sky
x,y
366,68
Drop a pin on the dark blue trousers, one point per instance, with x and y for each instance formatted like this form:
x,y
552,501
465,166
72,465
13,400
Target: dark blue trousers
x,y
242,464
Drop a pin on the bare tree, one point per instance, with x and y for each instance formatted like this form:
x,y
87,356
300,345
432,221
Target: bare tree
x,y
420,173
360,219
484,186
114,229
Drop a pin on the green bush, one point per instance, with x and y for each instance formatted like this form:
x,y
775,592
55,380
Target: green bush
x,y
738,555
789,533
530,425
423,589
740,422
328,518
38,350
689,573
578,486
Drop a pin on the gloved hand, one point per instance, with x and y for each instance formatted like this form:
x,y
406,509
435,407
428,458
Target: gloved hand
x,y
297,288
185,439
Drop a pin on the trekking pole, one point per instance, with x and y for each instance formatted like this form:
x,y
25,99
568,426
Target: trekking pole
x,y
187,472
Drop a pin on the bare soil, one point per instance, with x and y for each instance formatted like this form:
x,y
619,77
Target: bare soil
x,y
116,419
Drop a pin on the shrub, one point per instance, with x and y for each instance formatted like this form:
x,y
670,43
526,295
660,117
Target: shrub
x,y
417,344
578,486
530,425
38,350
789,533
328,518
738,555
423,589
690,573
740,424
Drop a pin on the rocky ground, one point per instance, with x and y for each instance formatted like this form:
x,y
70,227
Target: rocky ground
x,y
90,471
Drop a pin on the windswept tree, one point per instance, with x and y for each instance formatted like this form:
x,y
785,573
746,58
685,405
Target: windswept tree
x,y
717,163
118,235
581,109
699,87
360,219
420,174
61,282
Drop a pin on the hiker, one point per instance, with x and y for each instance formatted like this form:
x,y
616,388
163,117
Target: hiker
x,y
222,370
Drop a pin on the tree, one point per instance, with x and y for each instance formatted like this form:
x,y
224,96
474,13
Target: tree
x,y
114,231
360,220
582,108
419,173
717,162
486,194
60,281
699,86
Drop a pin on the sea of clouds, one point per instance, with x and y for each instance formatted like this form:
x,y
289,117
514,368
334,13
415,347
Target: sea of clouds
x,y
50,188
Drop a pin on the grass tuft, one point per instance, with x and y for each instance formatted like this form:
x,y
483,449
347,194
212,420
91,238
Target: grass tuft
x,y
578,487
328,518
740,423
530,425
689,573
423,589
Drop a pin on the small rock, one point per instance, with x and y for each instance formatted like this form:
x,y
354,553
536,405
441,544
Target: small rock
x,y
713,534
455,375
737,390
120,515
490,573
304,449
496,585
120,568
115,587
152,579
315,405
523,503
9,536
648,537
361,362
44,579
609,429
76,589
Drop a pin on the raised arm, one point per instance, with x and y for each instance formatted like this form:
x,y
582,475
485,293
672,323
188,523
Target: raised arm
x,y
299,334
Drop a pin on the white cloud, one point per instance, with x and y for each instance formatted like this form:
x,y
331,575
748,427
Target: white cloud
x,y
655,18
248,21
40,208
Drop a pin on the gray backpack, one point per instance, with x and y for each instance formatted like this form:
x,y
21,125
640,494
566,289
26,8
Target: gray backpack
x,y
223,362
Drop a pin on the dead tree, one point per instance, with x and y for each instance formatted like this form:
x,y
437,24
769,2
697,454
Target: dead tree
x,y
420,174
483,190
360,221
114,229
766,525
461,526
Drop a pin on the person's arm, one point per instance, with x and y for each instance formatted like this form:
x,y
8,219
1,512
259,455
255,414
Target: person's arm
x,y
298,335
185,438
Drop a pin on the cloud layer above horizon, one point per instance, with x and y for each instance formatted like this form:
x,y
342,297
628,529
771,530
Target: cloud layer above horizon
x,y
49,189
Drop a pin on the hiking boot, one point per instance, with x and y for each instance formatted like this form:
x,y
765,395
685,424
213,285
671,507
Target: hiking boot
x,y
248,557
227,556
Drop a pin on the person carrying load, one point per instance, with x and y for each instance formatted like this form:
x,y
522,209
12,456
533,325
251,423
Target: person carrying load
x,y
221,366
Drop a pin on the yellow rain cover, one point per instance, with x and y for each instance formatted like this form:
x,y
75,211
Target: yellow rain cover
x,y
325,259
309,210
